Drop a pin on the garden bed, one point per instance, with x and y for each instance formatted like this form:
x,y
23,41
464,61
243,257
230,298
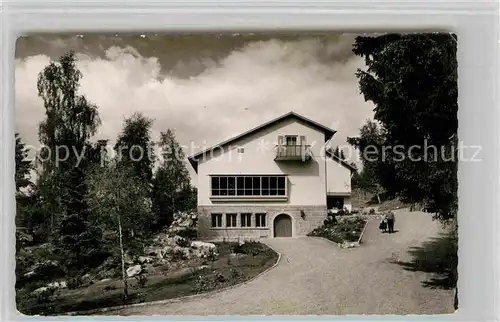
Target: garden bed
x,y
236,263
341,230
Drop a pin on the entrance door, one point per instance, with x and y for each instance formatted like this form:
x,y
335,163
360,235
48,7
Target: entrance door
x,y
283,226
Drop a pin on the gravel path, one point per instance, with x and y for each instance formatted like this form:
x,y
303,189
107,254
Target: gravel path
x,y
316,277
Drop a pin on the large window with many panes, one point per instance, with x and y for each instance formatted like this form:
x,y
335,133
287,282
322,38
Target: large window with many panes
x,y
249,186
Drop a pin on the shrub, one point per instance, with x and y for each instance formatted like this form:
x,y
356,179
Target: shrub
x,y
212,255
141,279
205,283
235,273
109,287
347,229
188,233
247,248
44,296
330,220
75,282
343,212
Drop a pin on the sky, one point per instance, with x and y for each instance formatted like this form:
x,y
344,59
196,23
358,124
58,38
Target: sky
x,y
206,87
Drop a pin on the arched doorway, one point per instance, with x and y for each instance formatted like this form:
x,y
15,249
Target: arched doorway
x,y
283,226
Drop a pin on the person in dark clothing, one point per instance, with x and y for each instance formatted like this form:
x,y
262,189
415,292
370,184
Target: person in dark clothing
x,y
390,222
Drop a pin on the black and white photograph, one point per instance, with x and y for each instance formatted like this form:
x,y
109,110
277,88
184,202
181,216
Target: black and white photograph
x,y
237,174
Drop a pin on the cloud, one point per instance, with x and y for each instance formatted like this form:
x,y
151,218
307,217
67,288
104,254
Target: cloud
x,y
209,98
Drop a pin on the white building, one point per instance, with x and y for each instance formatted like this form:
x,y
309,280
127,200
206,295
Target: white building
x,y
271,181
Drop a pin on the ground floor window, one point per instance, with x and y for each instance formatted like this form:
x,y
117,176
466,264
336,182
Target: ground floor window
x,y
246,220
335,202
230,220
216,220
260,220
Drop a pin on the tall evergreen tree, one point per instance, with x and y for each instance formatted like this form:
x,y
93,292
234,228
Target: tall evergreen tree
x,y
23,165
172,191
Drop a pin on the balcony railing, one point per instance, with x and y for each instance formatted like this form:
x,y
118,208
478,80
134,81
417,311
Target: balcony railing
x,y
293,152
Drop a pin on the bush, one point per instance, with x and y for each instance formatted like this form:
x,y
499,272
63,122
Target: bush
x,y
206,283
247,248
141,279
235,273
109,287
343,212
75,282
188,233
346,230
330,220
44,296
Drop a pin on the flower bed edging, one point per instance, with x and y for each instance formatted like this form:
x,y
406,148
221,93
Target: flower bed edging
x,y
346,244
176,299
363,231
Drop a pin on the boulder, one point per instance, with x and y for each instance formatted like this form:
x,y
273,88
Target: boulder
x,y
200,244
134,270
61,284
144,259
86,279
128,259
181,241
40,290
29,274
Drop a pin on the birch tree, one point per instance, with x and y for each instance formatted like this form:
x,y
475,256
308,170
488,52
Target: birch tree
x,y
120,202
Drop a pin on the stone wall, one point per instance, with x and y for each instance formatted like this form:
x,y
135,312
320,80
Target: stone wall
x,y
301,226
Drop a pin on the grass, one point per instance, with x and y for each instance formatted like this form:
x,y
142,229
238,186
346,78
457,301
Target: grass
x,y
234,264
345,229
361,199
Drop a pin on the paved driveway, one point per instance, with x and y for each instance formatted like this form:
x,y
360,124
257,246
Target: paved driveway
x,y
316,277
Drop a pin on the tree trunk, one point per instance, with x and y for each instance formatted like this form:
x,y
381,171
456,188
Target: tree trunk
x,y
124,273
378,198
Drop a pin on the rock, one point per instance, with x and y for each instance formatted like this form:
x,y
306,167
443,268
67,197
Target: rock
x,y
29,274
61,284
86,279
128,259
180,241
200,244
134,270
144,259
40,290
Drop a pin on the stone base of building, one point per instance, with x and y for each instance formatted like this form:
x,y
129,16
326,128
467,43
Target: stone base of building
x,y
303,220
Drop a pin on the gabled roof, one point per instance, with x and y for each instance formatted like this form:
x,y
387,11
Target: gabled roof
x,y
326,130
330,154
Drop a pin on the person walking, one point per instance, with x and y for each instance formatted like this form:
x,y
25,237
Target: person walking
x,y
383,224
390,221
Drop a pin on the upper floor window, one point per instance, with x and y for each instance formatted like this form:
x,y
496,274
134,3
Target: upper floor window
x,y
291,140
238,186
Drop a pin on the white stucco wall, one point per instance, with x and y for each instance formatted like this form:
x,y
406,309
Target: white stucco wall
x,y
307,181
339,178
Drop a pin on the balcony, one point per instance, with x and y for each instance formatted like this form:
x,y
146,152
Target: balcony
x,y
293,153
